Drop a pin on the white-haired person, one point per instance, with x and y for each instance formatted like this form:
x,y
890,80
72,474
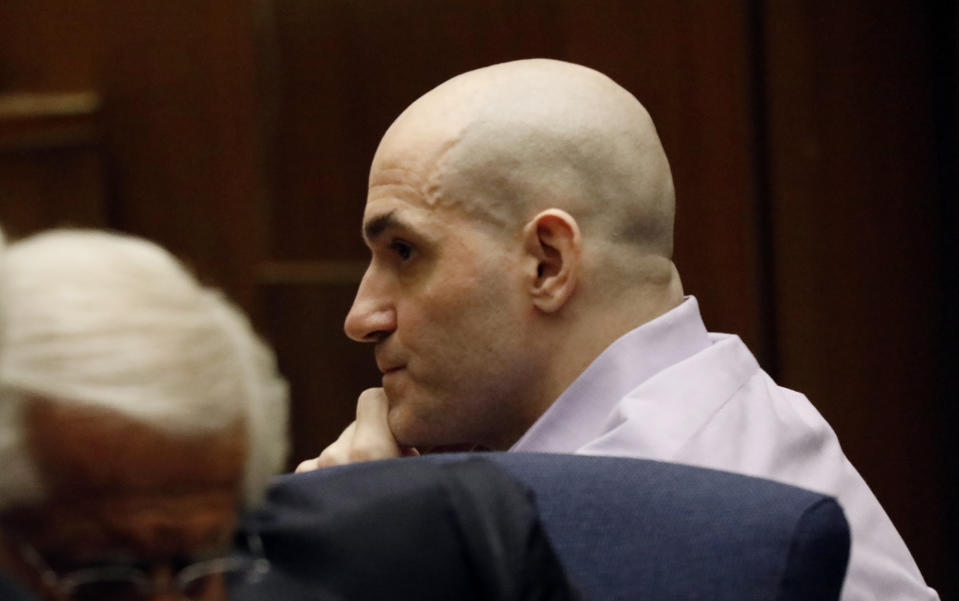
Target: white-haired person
x,y
139,413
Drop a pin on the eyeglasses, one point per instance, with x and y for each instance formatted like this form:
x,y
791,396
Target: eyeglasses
x,y
106,583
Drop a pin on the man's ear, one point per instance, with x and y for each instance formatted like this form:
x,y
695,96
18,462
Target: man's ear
x,y
553,240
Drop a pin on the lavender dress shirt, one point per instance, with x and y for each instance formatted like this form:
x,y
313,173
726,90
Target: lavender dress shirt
x,y
669,390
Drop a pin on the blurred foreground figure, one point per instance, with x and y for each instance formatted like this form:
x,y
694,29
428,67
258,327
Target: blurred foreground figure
x,y
138,413
522,295
416,530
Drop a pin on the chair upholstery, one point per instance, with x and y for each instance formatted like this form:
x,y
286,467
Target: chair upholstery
x,y
629,529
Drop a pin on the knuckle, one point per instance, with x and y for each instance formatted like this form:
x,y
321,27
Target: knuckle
x,y
369,397
306,466
369,449
363,454
332,455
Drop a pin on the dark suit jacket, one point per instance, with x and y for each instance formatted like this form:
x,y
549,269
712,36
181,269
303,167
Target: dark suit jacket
x,y
404,530
9,592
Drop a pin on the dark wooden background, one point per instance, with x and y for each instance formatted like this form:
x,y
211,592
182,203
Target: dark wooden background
x,y
814,147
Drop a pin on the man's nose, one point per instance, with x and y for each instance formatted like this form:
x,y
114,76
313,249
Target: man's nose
x,y
372,316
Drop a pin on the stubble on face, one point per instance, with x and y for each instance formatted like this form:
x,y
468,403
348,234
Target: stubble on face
x,y
462,318
458,320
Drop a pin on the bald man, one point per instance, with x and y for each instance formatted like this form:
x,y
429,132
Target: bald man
x,y
521,295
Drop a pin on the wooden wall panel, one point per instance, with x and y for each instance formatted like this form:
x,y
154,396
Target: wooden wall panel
x,y
49,45
51,159
181,117
48,188
945,49
854,210
178,138
51,168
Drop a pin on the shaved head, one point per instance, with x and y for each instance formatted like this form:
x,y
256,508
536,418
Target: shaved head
x,y
505,142
519,219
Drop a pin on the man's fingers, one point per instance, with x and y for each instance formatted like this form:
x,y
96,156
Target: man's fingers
x,y
307,466
366,439
372,409
346,436
373,438
335,454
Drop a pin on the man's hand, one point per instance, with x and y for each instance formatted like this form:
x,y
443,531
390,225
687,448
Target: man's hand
x,y
366,439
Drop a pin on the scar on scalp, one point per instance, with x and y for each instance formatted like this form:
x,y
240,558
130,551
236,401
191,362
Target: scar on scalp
x,y
433,189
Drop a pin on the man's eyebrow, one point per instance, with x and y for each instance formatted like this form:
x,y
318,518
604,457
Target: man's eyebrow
x,y
379,224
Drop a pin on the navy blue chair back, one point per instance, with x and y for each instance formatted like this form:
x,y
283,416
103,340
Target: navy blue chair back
x,y
630,529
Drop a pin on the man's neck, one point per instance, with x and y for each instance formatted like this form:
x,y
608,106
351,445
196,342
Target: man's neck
x,y
578,343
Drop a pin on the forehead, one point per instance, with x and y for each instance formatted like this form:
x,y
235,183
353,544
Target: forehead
x,y
412,157
408,191
83,447
403,175
397,204
118,485
416,178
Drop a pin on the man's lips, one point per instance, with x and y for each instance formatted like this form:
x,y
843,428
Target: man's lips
x,y
388,362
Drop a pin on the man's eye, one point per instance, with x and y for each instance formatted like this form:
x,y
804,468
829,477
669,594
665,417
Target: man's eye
x,y
402,249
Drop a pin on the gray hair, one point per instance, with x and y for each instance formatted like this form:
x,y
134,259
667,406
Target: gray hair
x,y
115,322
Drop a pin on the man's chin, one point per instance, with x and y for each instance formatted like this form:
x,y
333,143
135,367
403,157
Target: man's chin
x,y
411,434
406,428
412,428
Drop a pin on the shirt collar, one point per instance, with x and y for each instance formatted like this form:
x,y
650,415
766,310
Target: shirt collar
x,y
579,413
